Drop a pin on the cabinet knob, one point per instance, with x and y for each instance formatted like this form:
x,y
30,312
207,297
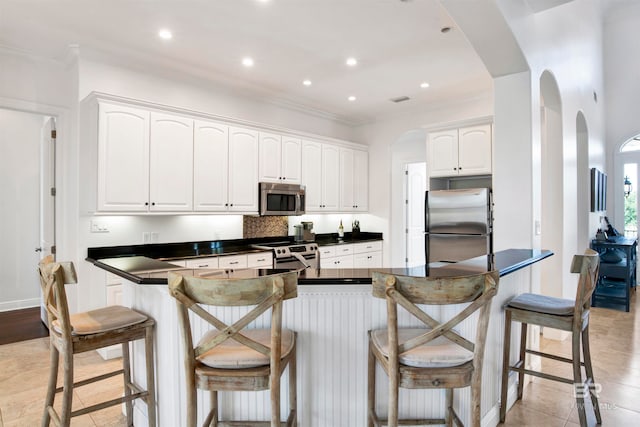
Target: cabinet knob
x,y
459,168
153,204
226,204
455,169
231,204
146,203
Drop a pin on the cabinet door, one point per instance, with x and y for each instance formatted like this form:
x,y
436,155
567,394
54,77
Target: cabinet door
x,y
123,158
210,166
291,160
361,180
243,170
270,157
312,174
171,163
232,261
474,150
442,150
260,260
347,202
208,262
330,178
368,260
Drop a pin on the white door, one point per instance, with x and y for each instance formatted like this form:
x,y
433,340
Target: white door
x,y
270,157
47,189
26,211
291,160
474,150
170,163
442,153
243,170
312,174
210,166
415,186
123,159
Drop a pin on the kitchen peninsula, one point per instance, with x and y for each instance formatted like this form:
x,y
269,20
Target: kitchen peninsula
x,y
332,314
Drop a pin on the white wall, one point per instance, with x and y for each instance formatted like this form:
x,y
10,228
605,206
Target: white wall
x,y
622,68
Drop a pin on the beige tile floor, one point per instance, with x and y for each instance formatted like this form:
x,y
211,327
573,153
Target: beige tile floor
x,y
615,340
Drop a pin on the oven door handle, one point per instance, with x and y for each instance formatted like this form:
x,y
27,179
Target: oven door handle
x,y
301,259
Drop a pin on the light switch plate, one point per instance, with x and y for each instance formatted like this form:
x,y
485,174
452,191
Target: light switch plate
x,y
98,226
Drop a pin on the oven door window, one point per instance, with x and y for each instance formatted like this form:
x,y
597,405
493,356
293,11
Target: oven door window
x,y
281,202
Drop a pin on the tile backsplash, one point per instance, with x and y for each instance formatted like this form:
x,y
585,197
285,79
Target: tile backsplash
x,y
264,226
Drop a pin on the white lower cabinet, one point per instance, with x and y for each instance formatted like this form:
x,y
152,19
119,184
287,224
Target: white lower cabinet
x,y
260,260
232,261
208,262
354,255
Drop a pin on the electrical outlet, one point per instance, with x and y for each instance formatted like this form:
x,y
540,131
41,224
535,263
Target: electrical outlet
x,y
146,237
98,226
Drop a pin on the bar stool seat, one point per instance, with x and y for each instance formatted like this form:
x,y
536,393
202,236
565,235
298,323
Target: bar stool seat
x,y
91,330
562,314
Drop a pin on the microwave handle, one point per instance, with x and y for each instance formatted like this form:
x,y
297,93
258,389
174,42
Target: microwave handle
x,y
297,202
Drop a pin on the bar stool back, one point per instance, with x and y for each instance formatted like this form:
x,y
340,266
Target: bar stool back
x,y
557,313
434,356
91,330
234,357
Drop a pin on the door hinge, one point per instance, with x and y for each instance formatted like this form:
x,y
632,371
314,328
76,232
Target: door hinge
x,y
406,260
53,191
406,202
53,134
406,172
406,231
53,250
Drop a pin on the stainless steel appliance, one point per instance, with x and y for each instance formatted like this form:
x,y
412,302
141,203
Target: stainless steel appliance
x,y
458,224
293,256
304,232
281,199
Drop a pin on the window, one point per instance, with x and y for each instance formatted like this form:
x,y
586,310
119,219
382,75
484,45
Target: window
x,y
631,145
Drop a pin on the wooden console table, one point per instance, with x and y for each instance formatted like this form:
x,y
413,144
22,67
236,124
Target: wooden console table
x,y
617,276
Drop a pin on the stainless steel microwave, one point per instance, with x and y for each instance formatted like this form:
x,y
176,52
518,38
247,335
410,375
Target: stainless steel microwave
x,y
281,199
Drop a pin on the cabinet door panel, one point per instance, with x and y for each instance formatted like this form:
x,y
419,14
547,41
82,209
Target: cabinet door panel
x,y
123,158
210,166
291,160
243,170
474,150
270,157
312,174
443,153
330,178
171,163
361,180
347,202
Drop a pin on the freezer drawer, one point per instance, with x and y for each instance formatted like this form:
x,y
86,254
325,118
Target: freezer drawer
x,y
455,247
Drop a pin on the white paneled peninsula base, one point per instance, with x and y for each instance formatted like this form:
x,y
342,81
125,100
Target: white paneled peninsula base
x,y
332,321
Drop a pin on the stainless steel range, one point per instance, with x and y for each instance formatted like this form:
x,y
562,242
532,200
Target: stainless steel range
x,y
292,255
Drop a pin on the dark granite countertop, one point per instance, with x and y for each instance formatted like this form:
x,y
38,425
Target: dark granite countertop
x,y
186,250
136,269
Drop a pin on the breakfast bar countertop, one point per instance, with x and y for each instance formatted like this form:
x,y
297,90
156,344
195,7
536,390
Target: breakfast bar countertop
x,y
148,271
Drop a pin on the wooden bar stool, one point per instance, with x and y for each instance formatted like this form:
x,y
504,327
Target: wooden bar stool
x,y
91,330
434,356
234,357
557,313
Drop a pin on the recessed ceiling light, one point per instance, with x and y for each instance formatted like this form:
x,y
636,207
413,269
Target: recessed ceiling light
x,y
306,82
351,98
352,62
247,62
424,85
165,34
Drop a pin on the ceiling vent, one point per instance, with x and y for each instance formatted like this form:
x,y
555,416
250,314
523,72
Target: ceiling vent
x,y
400,99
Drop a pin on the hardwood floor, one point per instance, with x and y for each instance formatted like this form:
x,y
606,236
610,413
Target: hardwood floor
x,y
615,343
21,325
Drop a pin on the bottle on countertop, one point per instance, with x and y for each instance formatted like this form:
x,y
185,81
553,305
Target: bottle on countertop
x,y
340,230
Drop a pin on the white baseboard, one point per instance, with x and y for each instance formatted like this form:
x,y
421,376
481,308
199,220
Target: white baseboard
x,y
492,418
555,334
18,304
111,352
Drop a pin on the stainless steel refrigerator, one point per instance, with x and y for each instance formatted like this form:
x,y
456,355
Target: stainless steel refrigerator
x,y
458,224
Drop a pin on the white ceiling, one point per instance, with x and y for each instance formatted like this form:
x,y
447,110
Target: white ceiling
x,y
398,45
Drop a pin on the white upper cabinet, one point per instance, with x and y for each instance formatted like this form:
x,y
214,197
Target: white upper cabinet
x,y
243,170
354,180
210,166
171,163
279,158
291,160
312,175
474,150
321,176
464,151
123,158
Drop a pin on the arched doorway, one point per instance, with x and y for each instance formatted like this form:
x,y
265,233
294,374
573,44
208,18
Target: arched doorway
x,y
626,181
